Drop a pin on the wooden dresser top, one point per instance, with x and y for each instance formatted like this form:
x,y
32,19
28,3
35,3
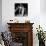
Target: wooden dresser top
x,y
20,23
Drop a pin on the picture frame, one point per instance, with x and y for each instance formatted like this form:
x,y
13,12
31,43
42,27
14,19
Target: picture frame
x,y
21,9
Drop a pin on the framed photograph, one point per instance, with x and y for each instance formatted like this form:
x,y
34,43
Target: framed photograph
x,y
21,9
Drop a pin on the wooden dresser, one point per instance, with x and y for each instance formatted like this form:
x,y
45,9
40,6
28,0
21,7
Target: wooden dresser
x,y
22,33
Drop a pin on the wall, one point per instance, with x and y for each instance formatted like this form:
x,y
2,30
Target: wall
x,y
8,11
43,13
0,15
35,15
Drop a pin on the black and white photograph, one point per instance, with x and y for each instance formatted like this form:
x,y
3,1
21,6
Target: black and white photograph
x,y
21,9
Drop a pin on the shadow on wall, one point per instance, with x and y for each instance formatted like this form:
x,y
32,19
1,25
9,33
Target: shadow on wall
x,y
0,15
43,6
